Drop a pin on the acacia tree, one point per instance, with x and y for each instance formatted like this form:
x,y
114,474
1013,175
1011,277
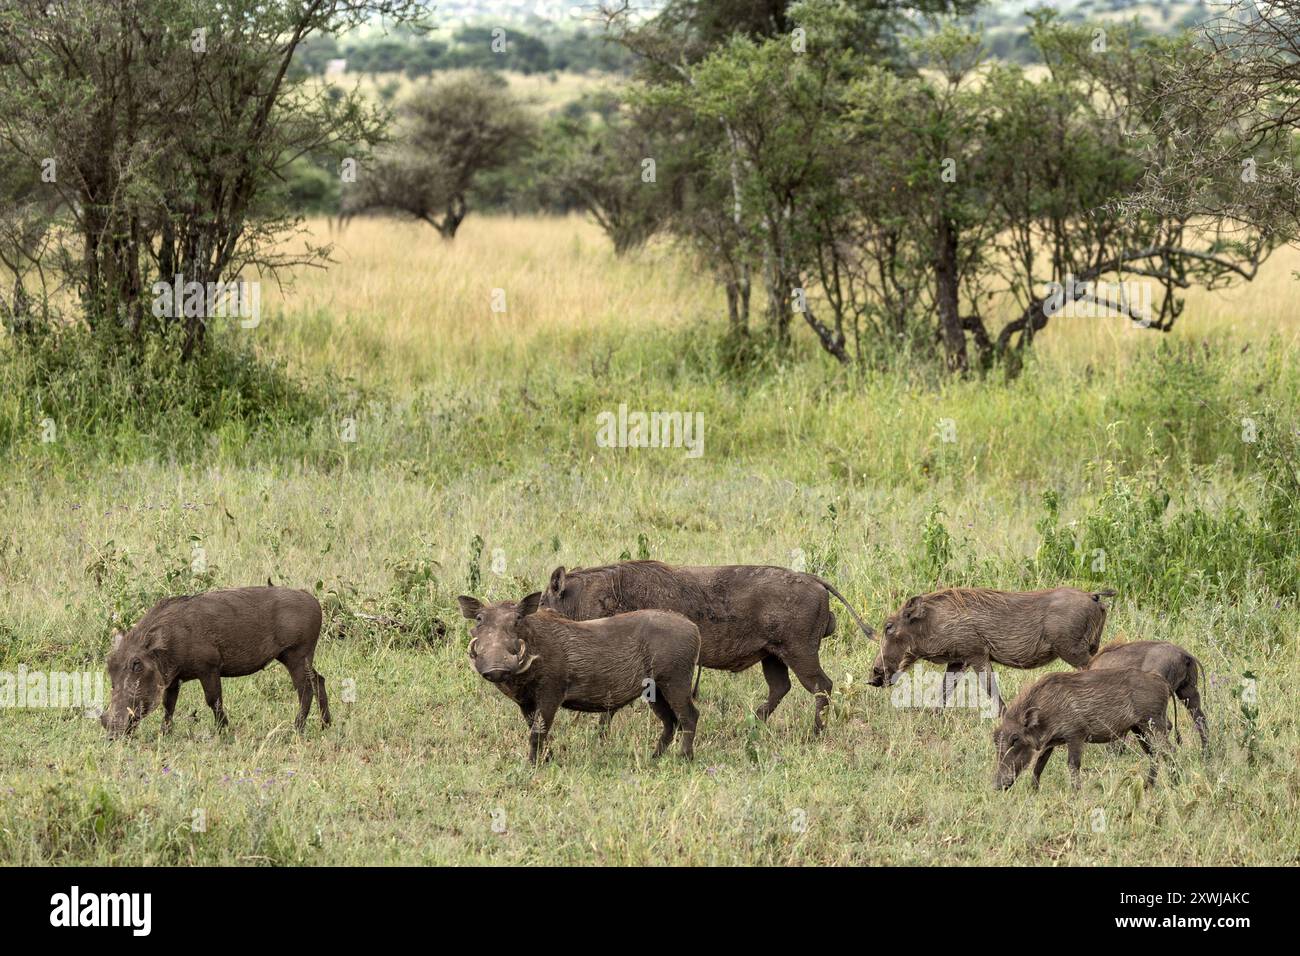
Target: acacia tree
x,y
164,130
1075,148
919,185
25,240
1229,109
779,107
448,134
617,169
688,36
1034,204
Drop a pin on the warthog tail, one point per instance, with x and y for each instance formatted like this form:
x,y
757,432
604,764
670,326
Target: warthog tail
x,y
866,628
695,691
1173,701
1109,592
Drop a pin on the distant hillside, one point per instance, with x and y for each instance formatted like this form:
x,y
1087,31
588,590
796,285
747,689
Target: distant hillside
x,y
559,36
1004,21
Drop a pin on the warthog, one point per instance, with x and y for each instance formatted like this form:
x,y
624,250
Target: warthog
x,y
1078,707
972,628
746,614
1179,668
206,637
544,661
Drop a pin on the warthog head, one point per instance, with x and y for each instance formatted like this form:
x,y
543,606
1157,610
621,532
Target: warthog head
x,y
579,598
895,654
138,681
1016,740
496,649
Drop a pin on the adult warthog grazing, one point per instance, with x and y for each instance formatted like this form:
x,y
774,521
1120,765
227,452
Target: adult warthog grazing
x,y
544,661
972,628
206,637
1178,667
746,614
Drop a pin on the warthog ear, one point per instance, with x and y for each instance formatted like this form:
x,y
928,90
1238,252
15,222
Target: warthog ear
x,y
155,643
556,586
529,605
914,609
1032,719
469,606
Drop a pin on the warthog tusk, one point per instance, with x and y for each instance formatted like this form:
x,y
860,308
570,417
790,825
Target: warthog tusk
x,y
472,642
523,653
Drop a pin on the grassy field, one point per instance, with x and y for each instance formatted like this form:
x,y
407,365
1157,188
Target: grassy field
x,y
475,467
544,92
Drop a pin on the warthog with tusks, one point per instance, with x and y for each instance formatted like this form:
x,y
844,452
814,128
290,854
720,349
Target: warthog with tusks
x,y
746,614
543,661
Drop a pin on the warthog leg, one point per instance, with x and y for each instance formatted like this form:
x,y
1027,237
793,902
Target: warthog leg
x,y
322,697
1154,738
1040,763
778,685
169,702
688,721
212,693
1191,698
679,707
988,682
1075,752
950,681
539,726
665,714
808,669
304,681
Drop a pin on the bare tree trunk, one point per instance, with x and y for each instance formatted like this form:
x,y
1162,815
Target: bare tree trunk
x,y
947,292
737,309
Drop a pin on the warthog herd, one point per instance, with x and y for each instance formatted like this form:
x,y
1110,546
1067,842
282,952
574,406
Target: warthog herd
x,y
600,638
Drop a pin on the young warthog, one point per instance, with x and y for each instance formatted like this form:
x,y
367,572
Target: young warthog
x,y
1078,707
745,613
206,637
1179,668
543,661
970,628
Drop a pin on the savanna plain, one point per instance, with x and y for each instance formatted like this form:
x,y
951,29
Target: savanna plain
x,y
386,440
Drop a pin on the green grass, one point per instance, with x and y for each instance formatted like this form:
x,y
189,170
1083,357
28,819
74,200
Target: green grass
x,y
487,441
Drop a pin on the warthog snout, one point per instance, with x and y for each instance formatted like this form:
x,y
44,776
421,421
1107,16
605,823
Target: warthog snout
x,y
120,724
495,663
497,650
885,673
122,716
